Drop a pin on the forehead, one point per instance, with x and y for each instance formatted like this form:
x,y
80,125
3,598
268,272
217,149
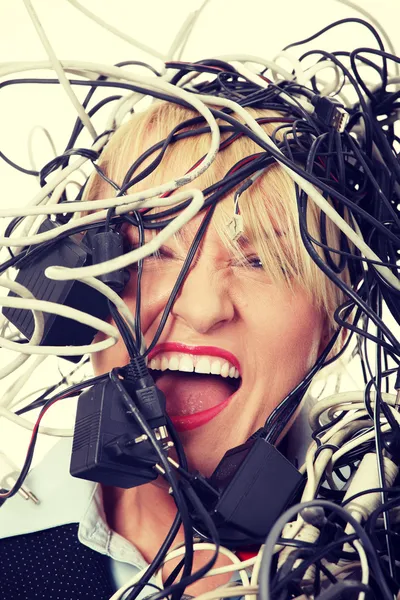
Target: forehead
x,y
216,238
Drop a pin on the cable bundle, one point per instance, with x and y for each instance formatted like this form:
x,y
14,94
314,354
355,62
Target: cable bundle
x,y
342,156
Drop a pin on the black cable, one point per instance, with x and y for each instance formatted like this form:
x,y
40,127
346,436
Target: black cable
x,y
266,562
42,399
31,447
138,330
126,333
164,548
169,474
18,167
183,272
185,582
346,589
157,561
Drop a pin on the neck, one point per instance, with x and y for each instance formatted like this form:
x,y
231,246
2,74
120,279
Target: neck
x,y
143,516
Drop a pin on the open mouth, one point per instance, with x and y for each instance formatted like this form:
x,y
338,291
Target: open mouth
x,y
197,388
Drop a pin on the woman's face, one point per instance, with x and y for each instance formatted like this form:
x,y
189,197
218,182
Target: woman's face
x,y
226,318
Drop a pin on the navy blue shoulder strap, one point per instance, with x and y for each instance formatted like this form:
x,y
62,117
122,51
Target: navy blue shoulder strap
x,y
53,564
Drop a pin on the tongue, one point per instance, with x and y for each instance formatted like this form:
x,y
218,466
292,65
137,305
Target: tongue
x,y
190,393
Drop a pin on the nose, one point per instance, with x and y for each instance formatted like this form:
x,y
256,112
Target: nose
x,y
204,302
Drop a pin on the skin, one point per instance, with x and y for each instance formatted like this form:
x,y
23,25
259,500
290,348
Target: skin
x,y
275,333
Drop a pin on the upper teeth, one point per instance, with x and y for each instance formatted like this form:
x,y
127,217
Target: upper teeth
x,y
174,361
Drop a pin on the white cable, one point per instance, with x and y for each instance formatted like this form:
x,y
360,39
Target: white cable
x,y
8,414
65,274
339,402
366,437
80,206
236,566
296,64
329,86
99,216
364,565
242,58
59,70
311,191
11,392
30,144
257,566
117,32
180,36
151,84
37,335
63,311
306,186
185,33
316,467
123,107
362,411
229,592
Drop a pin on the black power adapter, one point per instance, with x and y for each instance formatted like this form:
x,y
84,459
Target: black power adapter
x,y
109,446
58,330
68,252
254,483
249,489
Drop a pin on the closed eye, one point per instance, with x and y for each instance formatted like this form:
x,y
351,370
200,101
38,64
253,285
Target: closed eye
x,y
254,262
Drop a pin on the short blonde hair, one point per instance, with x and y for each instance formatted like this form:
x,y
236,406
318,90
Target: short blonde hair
x,y
268,206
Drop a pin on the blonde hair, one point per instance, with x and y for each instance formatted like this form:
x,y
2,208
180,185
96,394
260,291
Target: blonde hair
x,y
268,206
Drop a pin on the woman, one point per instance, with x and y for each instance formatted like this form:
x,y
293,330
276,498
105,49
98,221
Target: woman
x,y
257,307
254,315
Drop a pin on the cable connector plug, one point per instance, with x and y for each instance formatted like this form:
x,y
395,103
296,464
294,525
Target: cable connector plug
x,y
331,112
235,227
149,399
107,245
9,473
109,446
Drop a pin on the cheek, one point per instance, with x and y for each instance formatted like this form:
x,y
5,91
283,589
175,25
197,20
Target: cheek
x,y
156,287
286,333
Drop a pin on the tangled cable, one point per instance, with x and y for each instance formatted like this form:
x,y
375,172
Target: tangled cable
x,y
342,156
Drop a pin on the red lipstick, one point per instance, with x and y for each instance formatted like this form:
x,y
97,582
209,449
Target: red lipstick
x,y
195,420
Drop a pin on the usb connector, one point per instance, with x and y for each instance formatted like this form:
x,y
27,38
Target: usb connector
x,y
331,112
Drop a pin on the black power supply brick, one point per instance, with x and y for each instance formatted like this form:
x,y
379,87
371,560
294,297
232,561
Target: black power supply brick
x,y
68,252
254,484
